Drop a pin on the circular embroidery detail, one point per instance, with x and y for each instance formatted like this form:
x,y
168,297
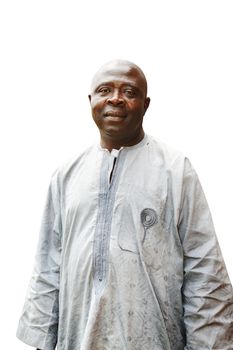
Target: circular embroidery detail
x,y
149,217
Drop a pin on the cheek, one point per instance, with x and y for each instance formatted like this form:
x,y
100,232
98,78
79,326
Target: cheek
x,y
97,108
136,106
137,111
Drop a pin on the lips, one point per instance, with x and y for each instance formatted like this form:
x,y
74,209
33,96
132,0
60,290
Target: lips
x,y
114,116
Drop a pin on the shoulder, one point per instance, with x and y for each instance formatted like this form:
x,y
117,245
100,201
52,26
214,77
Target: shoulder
x,y
176,164
168,154
67,169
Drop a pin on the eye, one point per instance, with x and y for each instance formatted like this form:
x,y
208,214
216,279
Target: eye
x,y
130,93
103,90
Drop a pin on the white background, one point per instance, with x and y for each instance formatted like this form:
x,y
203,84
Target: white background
x,y
49,52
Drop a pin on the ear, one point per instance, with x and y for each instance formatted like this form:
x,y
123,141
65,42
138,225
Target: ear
x,y
147,103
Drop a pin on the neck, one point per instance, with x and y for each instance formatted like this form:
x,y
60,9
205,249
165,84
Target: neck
x,y
110,143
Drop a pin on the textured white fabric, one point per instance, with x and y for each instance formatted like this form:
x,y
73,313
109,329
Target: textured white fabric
x,y
132,263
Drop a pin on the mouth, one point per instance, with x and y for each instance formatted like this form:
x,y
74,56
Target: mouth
x,y
114,115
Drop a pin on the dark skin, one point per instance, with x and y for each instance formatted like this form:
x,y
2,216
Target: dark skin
x,y
119,101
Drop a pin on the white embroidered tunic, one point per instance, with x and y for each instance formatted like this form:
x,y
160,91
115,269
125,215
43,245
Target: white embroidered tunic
x,y
128,258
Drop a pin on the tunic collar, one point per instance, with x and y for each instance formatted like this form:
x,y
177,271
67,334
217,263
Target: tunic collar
x,y
115,152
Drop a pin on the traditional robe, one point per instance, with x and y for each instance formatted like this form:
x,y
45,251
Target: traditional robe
x,y
128,258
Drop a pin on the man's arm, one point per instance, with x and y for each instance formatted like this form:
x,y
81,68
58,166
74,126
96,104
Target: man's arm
x,y
207,291
39,321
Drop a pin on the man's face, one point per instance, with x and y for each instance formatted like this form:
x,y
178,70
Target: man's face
x,y
118,101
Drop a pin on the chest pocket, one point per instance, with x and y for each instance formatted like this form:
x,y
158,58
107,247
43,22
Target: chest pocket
x,y
139,220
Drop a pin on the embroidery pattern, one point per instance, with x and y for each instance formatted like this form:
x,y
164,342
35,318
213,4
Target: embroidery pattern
x,y
149,218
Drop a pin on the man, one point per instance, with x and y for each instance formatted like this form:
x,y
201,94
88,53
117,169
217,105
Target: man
x,y
127,255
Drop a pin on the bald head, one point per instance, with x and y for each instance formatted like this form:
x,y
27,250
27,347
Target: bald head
x,y
121,67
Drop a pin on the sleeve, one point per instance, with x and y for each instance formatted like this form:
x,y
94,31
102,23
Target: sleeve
x,y
39,321
207,291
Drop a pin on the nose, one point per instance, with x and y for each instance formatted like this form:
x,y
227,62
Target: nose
x,y
116,98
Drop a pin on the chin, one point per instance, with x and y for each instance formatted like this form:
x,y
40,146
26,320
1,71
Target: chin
x,y
114,130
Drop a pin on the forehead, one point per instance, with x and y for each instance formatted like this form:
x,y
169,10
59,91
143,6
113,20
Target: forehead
x,y
119,74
